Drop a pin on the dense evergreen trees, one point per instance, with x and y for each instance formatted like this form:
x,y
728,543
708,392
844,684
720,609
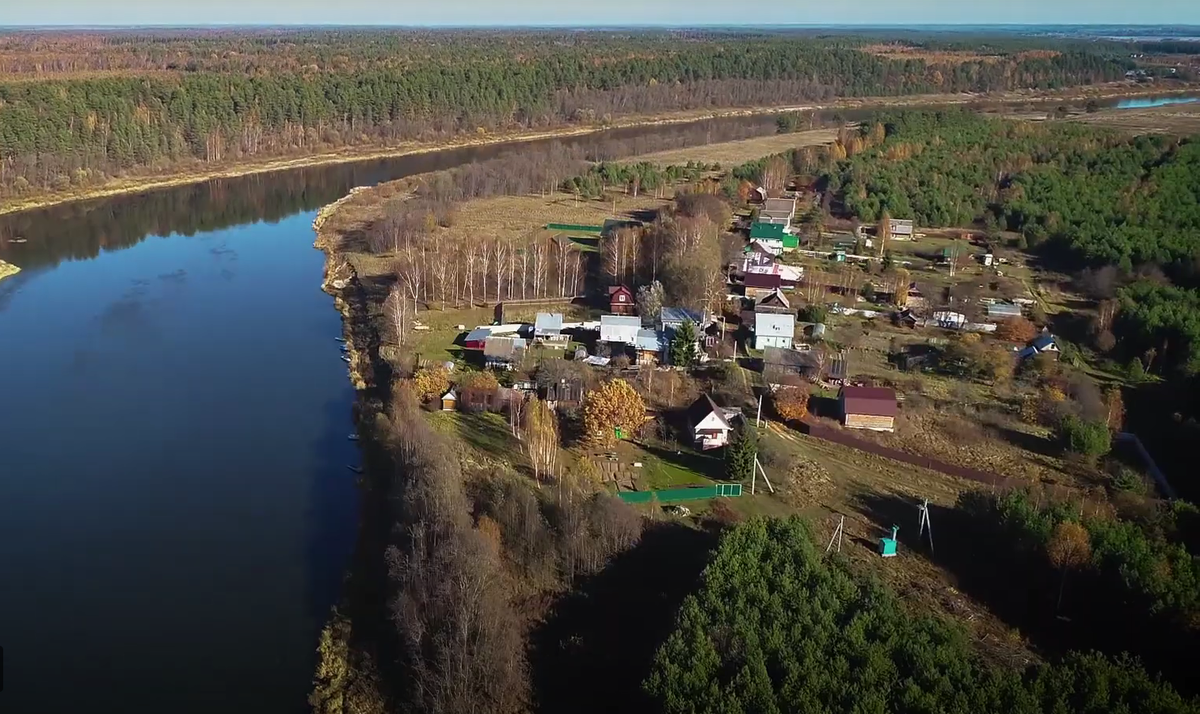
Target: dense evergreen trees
x,y
776,629
218,98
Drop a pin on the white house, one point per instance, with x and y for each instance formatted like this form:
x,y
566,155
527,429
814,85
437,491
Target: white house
x,y
620,328
711,424
1042,344
774,330
901,229
949,320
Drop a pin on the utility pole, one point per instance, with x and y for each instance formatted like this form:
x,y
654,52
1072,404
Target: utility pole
x,y
837,536
758,417
925,526
759,469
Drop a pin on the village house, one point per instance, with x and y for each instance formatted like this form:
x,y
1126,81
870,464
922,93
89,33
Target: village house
x,y
649,347
620,300
475,338
503,353
789,275
760,285
547,330
566,393
711,424
672,318
775,235
1043,344
778,209
772,329
758,254
872,408
901,229
619,329
776,301
784,366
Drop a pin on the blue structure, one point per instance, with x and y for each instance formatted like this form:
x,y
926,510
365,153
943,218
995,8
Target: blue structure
x,y
887,546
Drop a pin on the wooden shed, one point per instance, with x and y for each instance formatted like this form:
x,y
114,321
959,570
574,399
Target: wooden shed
x,y
871,408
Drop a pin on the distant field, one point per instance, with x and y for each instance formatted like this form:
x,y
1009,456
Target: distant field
x,y
731,153
1175,119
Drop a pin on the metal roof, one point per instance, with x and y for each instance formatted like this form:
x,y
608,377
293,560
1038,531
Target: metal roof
x,y
869,401
620,321
648,340
678,314
775,324
1003,309
478,334
548,322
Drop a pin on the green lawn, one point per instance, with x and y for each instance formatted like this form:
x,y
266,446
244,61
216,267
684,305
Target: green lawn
x,y
663,468
485,432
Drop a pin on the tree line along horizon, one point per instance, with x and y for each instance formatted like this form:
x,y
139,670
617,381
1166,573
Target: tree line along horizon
x,y
79,131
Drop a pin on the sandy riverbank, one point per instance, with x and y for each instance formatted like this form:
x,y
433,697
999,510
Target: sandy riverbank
x,y
8,270
150,183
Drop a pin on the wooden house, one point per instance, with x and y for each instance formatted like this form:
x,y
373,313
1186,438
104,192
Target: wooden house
x,y
620,301
503,352
872,408
449,401
711,424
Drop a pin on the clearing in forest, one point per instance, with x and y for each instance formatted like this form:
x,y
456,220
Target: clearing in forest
x,y
732,153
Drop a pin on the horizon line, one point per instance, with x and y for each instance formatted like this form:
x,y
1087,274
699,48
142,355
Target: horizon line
x,y
597,26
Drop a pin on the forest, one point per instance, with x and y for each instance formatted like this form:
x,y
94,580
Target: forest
x,y
1079,197
80,109
776,627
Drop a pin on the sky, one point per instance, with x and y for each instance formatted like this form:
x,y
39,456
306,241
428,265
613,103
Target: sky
x,y
592,12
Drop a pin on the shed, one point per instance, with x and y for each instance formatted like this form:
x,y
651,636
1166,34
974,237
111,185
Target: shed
x,y
449,401
871,408
620,300
547,323
1003,311
772,329
567,392
620,329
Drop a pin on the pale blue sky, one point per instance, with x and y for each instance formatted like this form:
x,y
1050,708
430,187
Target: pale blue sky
x,y
590,12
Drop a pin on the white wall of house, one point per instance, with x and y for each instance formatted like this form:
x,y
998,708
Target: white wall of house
x,y
761,342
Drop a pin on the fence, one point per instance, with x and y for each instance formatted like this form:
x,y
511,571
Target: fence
x,y
675,495
574,227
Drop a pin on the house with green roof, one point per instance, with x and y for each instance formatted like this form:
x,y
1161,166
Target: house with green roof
x,y
774,233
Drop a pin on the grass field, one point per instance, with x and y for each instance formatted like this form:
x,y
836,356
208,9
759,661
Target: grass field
x,y
732,153
1180,119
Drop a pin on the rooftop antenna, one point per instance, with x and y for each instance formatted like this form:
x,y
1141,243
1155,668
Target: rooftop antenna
x,y
837,536
925,526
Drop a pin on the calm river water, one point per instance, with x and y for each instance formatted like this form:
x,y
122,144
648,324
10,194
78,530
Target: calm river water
x,y
176,511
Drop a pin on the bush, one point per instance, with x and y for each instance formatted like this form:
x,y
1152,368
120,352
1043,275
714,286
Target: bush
x,y
1090,439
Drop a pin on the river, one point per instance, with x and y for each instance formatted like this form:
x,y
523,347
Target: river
x,y
176,511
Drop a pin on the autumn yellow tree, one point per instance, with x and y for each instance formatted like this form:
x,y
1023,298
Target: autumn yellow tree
x,y
883,232
431,382
791,403
1069,549
540,436
1114,405
614,407
1016,329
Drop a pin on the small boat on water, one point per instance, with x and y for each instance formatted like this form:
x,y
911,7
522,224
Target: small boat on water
x,y
346,359
355,469
353,437
340,339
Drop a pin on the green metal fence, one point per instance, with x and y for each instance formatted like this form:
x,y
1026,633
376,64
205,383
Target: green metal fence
x,y
574,227
675,495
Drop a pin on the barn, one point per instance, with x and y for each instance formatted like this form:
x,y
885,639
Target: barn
x,y
871,408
